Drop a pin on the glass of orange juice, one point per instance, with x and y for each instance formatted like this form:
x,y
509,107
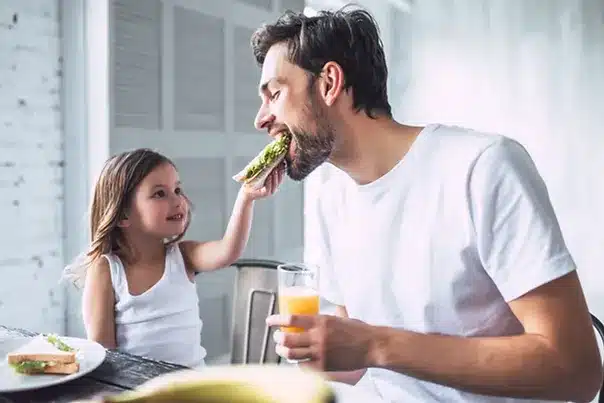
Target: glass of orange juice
x,y
298,292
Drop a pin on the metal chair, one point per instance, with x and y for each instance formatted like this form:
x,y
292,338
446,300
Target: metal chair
x,y
600,329
254,299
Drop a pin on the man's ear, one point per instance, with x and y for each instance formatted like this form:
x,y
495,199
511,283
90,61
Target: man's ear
x,y
332,82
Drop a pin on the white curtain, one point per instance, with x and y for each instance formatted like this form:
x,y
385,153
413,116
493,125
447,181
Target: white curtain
x,y
530,69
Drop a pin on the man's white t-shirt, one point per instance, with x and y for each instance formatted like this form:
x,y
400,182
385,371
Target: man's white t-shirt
x,y
460,226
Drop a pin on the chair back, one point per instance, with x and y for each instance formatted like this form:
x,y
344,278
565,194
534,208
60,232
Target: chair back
x,y
600,330
255,298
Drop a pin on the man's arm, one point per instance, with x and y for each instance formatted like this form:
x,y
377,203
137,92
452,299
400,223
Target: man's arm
x,y
556,358
349,377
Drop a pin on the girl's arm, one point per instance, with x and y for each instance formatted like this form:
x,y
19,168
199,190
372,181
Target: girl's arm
x,y
212,255
98,303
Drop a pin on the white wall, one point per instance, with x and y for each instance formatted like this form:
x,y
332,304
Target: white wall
x,y
31,166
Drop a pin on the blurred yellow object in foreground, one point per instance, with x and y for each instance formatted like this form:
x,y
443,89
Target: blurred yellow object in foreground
x,y
233,384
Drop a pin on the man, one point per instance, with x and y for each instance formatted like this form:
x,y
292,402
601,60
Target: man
x,y
442,252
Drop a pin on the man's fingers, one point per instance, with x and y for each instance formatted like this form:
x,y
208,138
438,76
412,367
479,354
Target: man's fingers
x,y
294,353
292,340
303,321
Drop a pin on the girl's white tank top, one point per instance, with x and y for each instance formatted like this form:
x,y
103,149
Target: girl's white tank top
x,y
162,323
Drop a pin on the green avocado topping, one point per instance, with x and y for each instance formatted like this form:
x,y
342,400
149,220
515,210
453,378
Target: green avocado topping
x,y
270,153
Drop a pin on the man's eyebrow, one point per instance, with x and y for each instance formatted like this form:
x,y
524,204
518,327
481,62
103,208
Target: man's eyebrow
x,y
264,86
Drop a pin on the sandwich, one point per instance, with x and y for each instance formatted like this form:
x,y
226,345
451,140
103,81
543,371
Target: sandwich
x,y
46,354
258,169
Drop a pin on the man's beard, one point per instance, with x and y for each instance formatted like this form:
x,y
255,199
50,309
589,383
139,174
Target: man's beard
x,y
311,150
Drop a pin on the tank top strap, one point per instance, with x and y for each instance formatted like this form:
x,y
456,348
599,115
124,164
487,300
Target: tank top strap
x,y
118,274
175,262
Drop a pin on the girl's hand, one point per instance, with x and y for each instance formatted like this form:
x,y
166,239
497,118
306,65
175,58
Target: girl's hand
x,y
270,185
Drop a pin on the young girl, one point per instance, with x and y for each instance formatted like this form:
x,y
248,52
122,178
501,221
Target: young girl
x,y
138,276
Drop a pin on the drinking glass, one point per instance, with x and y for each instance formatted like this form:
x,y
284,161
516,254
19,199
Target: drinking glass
x,y
298,292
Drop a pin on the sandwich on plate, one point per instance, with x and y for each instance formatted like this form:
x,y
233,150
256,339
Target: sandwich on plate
x,y
258,169
45,354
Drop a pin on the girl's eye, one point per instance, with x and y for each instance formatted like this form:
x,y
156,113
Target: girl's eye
x,y
159,194
178,191
275,96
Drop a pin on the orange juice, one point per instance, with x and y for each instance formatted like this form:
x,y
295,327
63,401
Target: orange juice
x,y
298,301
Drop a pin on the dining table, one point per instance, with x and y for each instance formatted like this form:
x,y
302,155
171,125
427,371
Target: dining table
x,y
117,373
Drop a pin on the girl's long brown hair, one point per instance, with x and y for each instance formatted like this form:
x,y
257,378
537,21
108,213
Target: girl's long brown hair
x,y
113,193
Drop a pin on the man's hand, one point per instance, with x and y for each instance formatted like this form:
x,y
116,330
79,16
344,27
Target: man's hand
x,y
330,343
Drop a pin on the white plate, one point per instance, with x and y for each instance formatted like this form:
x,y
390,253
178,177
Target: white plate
x,y
90,356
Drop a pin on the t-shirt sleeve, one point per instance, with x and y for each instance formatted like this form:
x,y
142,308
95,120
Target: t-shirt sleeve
x,y
519,239
317,248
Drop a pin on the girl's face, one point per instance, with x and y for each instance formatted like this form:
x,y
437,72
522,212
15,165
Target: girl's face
x,y
159,207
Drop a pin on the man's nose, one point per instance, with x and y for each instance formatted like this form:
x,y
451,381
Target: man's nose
x,y
263,118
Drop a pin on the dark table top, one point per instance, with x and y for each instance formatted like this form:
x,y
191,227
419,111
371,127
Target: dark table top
x,y
119,372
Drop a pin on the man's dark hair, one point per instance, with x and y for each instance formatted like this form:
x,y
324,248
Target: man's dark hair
x,y
348,37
